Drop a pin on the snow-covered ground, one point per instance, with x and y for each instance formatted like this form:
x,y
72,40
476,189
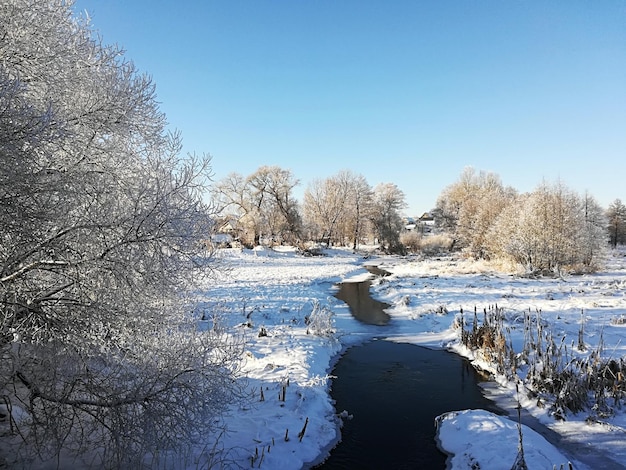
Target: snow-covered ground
x,y
289,422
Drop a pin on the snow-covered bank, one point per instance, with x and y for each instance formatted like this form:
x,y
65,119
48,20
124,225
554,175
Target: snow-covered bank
x,y
287,365
482,440
277,292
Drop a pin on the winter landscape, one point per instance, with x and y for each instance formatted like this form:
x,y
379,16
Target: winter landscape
x,y
277,290
158,314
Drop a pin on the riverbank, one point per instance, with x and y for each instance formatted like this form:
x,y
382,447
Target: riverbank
x,y
278,301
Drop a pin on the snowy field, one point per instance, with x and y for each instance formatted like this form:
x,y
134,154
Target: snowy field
x,y
277,301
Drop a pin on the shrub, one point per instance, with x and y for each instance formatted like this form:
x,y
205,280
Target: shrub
x,y
412,241
320,321
434,244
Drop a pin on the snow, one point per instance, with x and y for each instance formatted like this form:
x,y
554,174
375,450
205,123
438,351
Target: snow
x,y
277,290
471,436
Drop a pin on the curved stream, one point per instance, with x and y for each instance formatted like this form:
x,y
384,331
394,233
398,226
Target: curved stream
x,y
394,392
362,306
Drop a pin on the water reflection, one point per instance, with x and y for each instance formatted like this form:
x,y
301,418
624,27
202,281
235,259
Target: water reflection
x,y
362,306
394,392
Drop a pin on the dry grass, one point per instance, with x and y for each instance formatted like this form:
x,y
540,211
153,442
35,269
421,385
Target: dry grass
x,y
556,376
429,245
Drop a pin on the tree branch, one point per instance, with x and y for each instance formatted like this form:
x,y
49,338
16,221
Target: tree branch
x,y
32,266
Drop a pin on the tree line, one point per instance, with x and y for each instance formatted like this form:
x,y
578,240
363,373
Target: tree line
x,y
340,210
550,229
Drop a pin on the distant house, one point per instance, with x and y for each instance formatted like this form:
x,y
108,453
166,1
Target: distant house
x,y
223,240
227,227
426,223
226,232
426,219
409,224
423,224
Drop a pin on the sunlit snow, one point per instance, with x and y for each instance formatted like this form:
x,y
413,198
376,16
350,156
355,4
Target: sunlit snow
x,y
275,291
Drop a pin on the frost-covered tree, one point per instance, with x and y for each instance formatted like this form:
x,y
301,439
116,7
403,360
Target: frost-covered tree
x,y
337,207
360,204
232,196
263,203
450,202
469,207
550,230
506,239
616,215
385,216
101,234
272,188
324,207
593,237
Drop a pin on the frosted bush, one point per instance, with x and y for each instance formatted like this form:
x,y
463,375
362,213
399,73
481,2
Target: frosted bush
x,y
320,321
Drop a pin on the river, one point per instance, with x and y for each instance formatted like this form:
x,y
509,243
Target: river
x,y
394,391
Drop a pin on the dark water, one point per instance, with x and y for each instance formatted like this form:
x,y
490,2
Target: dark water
x,y
361,304
376,271
395,391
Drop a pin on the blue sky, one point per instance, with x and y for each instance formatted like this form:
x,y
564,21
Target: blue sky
x,y
407,92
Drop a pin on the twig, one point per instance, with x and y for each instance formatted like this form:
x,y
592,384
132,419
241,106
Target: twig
x,y
301,435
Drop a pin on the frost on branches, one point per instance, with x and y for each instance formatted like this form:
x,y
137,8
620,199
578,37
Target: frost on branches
x,y
101,223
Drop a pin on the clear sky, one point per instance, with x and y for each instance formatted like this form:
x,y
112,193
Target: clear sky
x,y
407,92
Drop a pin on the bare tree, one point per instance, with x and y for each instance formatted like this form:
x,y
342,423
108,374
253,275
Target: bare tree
x,y
262,202
468,208
359,208
338,207
616,215
101,229
324,205
232,196
388,201
272,188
